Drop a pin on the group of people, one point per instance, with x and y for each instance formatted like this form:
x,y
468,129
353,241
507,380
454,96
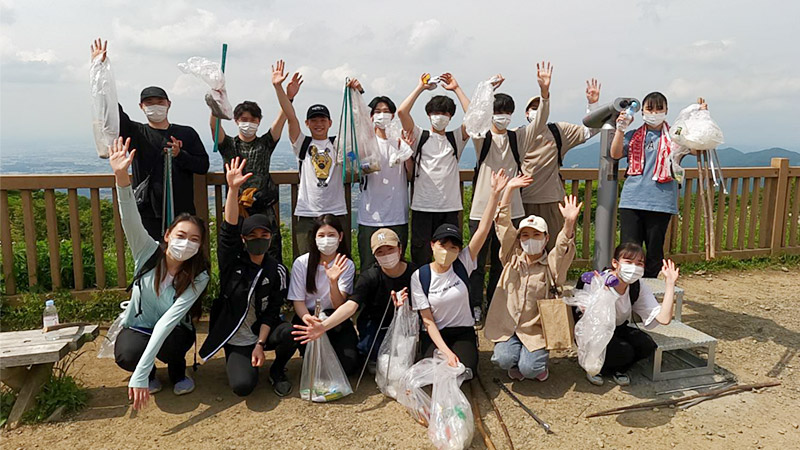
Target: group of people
x,y
518,203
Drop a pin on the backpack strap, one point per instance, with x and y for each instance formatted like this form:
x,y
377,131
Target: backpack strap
x,y
451,138
304,150
487,143
512,141
461,271
636,288
425,278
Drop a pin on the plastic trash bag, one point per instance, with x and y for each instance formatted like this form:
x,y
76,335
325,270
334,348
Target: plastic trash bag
x,y
695,129
105,105
452,424
322,376
396,354
356,139
107,347
412,396
210,72
394,133
478,118
595,329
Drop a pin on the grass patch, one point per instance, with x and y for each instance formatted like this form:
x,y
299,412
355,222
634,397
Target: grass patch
x,y
728,263
102,306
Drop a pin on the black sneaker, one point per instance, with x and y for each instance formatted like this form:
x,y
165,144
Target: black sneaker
x,y
280,384
372,367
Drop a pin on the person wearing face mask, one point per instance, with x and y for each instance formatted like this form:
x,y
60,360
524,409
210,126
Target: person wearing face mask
x,y
649,196
259,194
171,276
435,189
245,319
544,155
630,344
500,148
440,289
153,139
325,274
530,273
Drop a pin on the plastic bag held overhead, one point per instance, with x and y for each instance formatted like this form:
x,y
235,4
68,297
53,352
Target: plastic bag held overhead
x,y
356,141
322,378
695,129
210,72
105,106
595,329
478,118
396,354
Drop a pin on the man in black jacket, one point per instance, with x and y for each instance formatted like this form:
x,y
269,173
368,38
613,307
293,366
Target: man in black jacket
x,y
245,318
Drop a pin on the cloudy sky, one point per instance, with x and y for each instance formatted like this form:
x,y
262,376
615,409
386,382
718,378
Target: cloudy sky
x,y
741,56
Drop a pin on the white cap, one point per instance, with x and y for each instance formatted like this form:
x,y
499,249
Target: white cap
x,y
535,222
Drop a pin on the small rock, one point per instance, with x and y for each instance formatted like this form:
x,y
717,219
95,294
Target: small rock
x,y
722,435
601,444
781,431
219,399
784,268
700,272
655,409
630,431
795,426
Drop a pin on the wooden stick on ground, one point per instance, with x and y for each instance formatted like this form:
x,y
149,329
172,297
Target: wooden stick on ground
x,y
497,414
476,412
676,401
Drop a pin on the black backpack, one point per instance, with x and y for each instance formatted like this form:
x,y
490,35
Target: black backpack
x,y
557,138
451,138
487,144
304,151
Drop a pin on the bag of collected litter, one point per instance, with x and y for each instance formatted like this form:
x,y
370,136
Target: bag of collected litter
x,y
452,424
695,129
478,118
107,347
105,106
356,139
396,354
211,73
394,133
595,329
412,396
322,377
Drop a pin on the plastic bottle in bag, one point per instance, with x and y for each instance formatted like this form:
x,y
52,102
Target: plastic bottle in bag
x,y
323,378
396,353
452,424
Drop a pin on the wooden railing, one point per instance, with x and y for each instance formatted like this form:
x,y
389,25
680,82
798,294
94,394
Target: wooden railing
x,y
758,216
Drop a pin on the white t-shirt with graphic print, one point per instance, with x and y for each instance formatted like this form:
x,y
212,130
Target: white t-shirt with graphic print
x,y
321,190
448,297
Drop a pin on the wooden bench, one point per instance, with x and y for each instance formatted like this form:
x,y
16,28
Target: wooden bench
x,y
27,360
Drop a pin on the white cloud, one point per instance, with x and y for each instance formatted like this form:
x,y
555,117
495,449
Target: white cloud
x,y
334,78
382,85
187,86
8,14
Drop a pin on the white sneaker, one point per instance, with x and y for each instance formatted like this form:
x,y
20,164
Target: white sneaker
x,y
596,380
622,379
185,386
154,386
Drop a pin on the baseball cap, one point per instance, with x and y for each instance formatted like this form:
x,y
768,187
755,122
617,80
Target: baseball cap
x,y
448,231
384,236
255,222
535,222
153,91
318,111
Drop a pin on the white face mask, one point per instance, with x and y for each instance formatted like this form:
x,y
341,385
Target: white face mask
x,y
533,246
248,129
531,115
327,245
182,249
501,121
439,122
655,119
630,273
381,119
389,261
155,113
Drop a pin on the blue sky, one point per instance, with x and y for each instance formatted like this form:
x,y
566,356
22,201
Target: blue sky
x,y
737,56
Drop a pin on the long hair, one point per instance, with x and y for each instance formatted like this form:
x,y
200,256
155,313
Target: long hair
x,y
313,251
192,267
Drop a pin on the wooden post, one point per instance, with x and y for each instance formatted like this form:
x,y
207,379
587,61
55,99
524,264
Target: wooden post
x,y
119,241
8,249
97,239
295,220
75,234
781,193
30,236
52,237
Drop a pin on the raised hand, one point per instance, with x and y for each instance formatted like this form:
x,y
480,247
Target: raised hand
x,y
499,181
520,181
99,48
118,156
424,82
336,268
544,73
400,298
355,84
174,145
294,85
670,271
278,75
498,81
234,173
570,209
449,81
592,91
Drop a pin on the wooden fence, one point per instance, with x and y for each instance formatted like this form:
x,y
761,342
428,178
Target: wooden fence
x,y
758,216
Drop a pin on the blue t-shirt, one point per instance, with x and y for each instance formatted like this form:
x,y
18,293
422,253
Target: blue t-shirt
x,y
641,191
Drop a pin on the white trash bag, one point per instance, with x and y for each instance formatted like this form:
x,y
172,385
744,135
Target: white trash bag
x,y
412,396
394,133
396,354
105,105
478,118
695,129
322,377
452,424
594,330
107,347
210,72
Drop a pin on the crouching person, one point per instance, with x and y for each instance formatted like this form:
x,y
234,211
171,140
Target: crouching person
x,y
170,276
530,273
245,318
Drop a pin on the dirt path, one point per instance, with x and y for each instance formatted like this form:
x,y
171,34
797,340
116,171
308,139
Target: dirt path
x,y
754,315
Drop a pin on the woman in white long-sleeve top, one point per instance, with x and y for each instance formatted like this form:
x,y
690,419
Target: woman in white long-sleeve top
x,y
170,276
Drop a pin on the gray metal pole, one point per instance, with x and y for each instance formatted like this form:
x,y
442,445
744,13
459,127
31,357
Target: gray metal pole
x,y
606,213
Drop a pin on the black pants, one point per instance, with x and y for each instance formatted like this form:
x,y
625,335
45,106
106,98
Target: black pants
x,y
462,341
130,345
423,224
153,227
490,248
627,346
647,228
242,376
344,340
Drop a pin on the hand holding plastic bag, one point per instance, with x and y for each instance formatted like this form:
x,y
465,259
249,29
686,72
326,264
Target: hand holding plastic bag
x,y
356,139
452,424
105,105
478,118
695,129
594,330
107,347
322,377
209,72
396,354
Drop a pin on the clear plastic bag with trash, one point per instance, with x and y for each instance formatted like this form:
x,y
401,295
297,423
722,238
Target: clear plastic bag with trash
x,y
322,377
451,424
396,353
210,73
695,129
596,327
105,105
394,133
107,346
356,139
478,118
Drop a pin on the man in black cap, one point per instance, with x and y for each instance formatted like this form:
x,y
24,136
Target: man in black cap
x,y
152,141
321,189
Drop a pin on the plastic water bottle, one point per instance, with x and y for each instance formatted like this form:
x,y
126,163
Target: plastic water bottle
x,y
50,318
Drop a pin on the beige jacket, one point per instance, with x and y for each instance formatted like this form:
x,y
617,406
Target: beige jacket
x,y
514,309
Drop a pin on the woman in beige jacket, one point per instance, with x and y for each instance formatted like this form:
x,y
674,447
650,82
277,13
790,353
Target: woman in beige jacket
x,y
529,273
